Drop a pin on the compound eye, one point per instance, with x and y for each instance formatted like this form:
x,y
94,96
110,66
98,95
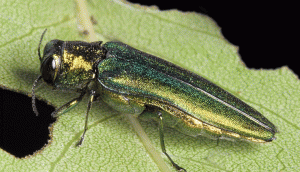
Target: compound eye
x,y
49,69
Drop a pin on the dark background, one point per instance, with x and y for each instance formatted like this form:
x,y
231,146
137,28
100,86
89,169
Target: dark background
x,y
266,34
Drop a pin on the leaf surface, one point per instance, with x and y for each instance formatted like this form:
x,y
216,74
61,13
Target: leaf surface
x,y
192,41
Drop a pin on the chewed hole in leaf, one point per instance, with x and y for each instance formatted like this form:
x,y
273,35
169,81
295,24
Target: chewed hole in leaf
x,y
23,133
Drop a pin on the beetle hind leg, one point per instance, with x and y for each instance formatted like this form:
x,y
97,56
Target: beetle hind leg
x,y
156,113
162,142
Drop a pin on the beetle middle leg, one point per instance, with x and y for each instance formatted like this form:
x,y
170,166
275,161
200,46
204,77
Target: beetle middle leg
x,y
92,97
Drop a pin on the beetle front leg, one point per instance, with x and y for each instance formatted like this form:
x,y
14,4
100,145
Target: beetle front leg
x,y
66,107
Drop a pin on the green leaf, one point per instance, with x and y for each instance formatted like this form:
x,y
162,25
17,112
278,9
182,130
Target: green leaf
x,y
190,40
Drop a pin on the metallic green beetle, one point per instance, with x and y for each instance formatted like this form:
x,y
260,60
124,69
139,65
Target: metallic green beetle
x,y
131,81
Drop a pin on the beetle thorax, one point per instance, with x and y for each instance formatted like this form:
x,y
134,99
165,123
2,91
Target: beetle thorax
x,y
76,71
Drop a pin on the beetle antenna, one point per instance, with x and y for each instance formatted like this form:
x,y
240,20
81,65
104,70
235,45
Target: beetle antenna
x,y
33,96
39,52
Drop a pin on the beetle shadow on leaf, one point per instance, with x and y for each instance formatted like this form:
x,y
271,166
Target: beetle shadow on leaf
x,y
27,76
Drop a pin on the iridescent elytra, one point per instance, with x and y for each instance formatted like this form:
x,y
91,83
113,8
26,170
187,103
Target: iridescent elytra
x,y
134,82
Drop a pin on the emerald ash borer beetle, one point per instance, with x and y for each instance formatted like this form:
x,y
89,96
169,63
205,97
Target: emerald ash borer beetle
x,y
133,82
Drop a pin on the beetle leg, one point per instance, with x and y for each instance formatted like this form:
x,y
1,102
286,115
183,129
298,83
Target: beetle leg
x,y
92,97
162,142
66,107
